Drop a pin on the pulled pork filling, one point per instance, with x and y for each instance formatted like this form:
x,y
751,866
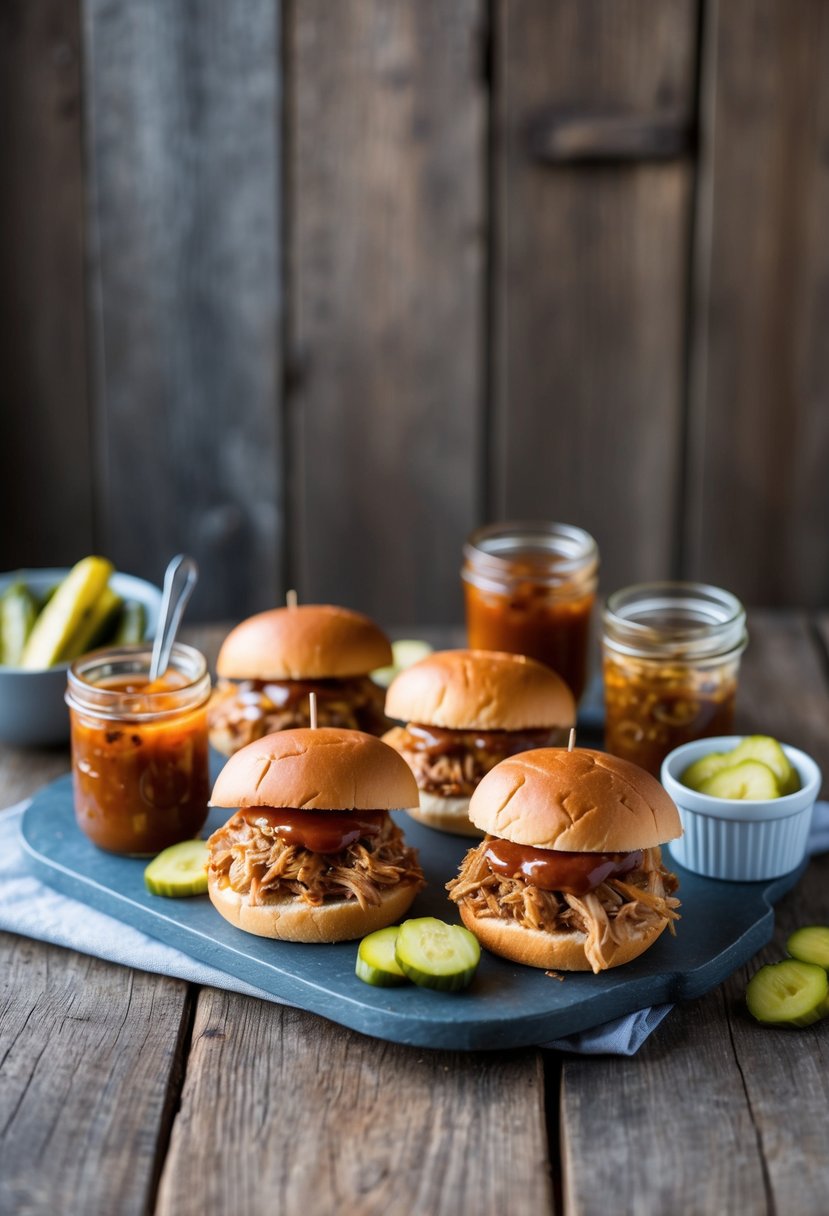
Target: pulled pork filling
x,y
248,709
616,911
452,763
255,861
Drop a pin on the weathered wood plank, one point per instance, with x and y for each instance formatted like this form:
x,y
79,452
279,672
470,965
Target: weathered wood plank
x,y
88,1058
746,1107
284,1111
590,278
183,116
45,482
387,210
758,492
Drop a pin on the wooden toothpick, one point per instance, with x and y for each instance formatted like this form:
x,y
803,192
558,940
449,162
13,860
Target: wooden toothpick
x,y
572,742
312,698
291,598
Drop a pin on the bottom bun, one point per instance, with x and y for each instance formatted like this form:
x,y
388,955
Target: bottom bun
x,y
445,814
291,920
552,951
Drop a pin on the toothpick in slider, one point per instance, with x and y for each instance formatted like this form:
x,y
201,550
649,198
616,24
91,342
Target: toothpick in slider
x,y
572,742
291,598
312,699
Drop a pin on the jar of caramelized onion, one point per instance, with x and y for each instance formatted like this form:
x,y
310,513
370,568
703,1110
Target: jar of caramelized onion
x,y
671,659
139,749
530,589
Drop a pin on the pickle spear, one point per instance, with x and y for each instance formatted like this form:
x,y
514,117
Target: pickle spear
x,y
93,628
18,613
66,612
132,624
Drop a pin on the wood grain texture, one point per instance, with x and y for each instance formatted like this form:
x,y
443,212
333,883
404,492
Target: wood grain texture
x,y
758,492
716,1114
45,483
387,210
183,117
590,277
88,1056
282,1111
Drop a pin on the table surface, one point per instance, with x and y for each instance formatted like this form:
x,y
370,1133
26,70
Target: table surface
x,y
124,1092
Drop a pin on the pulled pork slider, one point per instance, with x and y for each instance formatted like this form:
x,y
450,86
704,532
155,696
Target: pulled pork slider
x,y
466,710
269,664
311,854
570,876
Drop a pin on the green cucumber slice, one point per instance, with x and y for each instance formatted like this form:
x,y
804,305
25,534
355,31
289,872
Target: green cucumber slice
x,y
704,768
810,945
405,652
178,871
376,963
436,955
748,780
769,752
790,993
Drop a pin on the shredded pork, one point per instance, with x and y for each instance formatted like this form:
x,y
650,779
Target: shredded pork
x,y
614,912
253,860
455,766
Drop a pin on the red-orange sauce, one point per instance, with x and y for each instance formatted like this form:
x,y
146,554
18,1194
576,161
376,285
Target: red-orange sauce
x,y
319,831
439,740
554,870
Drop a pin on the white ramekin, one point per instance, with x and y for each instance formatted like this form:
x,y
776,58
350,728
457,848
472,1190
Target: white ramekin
x,y
744,841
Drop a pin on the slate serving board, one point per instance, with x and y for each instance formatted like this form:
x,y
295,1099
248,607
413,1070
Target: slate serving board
x,y
723,925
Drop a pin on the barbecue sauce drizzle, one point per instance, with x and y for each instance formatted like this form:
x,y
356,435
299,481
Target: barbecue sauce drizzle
x,y
318,831
553,870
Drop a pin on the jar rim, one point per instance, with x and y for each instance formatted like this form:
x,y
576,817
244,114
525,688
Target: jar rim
x,y
82,693
493,548
688,620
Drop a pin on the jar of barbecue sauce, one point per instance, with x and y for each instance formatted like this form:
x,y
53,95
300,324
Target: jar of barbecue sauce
x,y
139,749
530,589
671,656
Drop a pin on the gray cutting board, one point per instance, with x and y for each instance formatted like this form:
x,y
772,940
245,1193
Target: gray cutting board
x,y
723,924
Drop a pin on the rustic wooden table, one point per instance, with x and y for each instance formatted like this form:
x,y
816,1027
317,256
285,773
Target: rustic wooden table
x,y
123,1092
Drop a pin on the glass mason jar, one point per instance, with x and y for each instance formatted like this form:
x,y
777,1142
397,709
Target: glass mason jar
x,y
671,656
530,589
139,750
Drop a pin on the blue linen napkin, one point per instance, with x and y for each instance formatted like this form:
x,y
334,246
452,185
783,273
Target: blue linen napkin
x,y
32,909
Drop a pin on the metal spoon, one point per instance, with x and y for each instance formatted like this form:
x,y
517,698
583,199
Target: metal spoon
x,y
180,578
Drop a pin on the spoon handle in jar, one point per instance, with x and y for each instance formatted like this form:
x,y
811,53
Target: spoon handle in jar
x,y
180,578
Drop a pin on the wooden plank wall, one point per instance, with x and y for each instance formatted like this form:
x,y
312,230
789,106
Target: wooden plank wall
x,y
312,289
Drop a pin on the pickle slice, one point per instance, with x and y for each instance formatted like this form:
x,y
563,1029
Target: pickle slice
x,y
790,993
748,781
404,653
178,871
769,752
66,612
436,955
810,945
704,768
376,964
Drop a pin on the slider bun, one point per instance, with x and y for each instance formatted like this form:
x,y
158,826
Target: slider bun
x,y
481,690
309,642
444,814
328,769
292,920
579,801
552,951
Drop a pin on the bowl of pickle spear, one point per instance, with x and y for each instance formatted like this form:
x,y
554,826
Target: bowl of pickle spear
x,y
745,804
49,618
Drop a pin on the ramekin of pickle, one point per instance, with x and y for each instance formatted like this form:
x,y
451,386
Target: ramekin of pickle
x,y
745,803
48,618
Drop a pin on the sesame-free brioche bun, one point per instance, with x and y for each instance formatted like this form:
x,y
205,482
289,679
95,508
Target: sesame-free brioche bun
x,y
326,769
291,919
481,690
580,801
558,951
445,814
308,642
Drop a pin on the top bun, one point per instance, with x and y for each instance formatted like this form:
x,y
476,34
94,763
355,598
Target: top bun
x,y
309,642
319,770
579,801
480,690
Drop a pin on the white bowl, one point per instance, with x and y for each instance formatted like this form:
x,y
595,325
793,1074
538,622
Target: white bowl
x,y
744,841
32,709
